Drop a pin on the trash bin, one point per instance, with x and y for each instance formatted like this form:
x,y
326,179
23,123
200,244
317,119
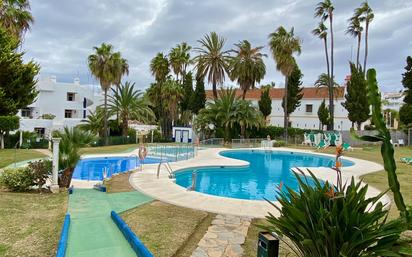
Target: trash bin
x,y
268,245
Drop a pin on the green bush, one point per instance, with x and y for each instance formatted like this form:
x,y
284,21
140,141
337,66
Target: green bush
x,y
19,180
40,171
405,114
279,143
319,220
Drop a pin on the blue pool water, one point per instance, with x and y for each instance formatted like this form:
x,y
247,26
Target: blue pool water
x,y
257,181
93,168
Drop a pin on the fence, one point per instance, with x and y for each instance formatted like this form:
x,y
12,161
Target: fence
x,y
247,142
175,152
212,142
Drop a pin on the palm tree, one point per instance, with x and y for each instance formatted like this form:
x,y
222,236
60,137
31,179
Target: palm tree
x,y
102,65
324,10
15,16
94,122
121,68
365,14
323,81
130,104
71,142
179,58
224,109
283,44
247,67
159,67
247,116
322,32
172,94
212,60
355,30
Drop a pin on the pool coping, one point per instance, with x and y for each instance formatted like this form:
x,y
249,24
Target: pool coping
x,y
166,190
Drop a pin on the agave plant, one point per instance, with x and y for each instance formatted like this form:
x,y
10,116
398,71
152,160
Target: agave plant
x,y
322,220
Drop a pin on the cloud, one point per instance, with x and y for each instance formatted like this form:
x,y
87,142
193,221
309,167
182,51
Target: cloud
x,y
65,32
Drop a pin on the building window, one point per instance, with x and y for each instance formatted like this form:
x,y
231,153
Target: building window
x,y
68,114
309,108
70,96
40,132
26,112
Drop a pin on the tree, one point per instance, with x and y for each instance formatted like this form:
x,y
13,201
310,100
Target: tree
x,y
212,60
283,44
322,32
355,30
247,116
179,58
159,66
356,99
405,115
407,81
7,124
324,81
265,103
324,10
17,79
94,122
130,104
365,14
69,151
323,114
294,90
187,91
247,66
198,99
103,65
15,16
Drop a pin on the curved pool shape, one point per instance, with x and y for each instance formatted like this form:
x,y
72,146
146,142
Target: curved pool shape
x,y
257,181
93,168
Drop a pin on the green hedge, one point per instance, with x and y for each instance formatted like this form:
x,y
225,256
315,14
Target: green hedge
x,y
277,132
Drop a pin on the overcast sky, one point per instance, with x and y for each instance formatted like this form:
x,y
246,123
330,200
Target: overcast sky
x,y
65,32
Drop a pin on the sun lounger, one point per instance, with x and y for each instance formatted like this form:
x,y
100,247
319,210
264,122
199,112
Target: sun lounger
x,y
407,160
347,147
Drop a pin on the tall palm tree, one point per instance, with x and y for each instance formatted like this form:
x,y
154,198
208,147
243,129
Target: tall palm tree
x,y
102,65
247,66
324,10
322,32
159,66
69,151
172,94
283,44
365,14
15,16
212,60
121,68
355,30
131,105
179,58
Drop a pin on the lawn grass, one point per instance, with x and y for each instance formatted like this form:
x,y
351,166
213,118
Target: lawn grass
x,y
30,223
376,179
109,149
9,156
168,230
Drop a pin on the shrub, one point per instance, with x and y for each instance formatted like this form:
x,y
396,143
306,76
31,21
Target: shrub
x,y
20,179
279,143
48,116
321,220
40,171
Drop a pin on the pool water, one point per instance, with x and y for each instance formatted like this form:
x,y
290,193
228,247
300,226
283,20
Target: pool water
x,y
94,168
259,180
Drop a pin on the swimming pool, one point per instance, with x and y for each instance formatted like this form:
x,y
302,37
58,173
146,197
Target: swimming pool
x,y
257,181
94,168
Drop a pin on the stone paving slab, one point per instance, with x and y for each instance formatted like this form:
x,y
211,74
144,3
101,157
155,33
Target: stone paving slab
x,y
224,237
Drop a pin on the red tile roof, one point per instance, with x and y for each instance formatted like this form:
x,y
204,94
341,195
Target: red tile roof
x,y
278,93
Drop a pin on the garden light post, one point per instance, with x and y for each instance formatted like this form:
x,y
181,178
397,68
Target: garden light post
x,y
55,168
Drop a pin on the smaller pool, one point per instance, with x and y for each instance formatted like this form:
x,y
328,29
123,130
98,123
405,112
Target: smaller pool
x,y
94,168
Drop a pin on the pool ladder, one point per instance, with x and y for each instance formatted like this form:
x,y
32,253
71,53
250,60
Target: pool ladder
x,y
168,168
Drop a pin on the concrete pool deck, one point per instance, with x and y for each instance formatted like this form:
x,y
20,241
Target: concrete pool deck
x,y
166,190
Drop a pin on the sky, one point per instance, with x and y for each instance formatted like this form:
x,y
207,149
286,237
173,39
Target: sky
x,y
65,32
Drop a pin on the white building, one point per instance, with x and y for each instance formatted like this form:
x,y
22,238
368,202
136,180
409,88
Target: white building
x,y
59,105
305,116
393,100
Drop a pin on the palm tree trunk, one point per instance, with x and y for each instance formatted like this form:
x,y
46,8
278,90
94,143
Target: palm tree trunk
x,y
66,178
285,109
106,139
214,90
244,94
358,52
327,56
331,107
366,46
125,126
359,125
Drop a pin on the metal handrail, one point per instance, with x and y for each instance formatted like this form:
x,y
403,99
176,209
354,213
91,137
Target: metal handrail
x,y
168,168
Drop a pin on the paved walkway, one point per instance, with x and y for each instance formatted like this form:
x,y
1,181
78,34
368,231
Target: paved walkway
x,y
224,238
92,232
